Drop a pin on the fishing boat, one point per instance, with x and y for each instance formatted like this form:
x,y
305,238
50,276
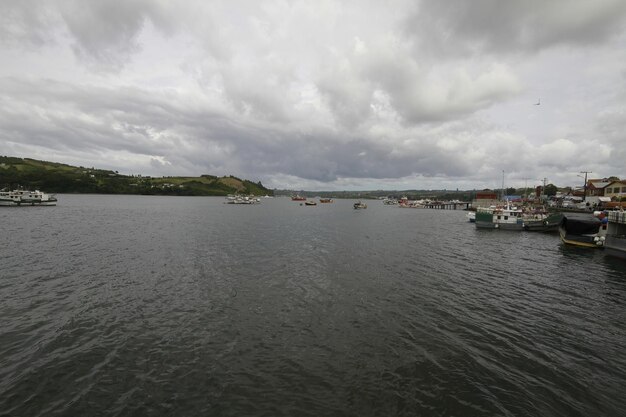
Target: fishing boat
x,y
542,222
582,229
615,239
27,198
358,205
499,217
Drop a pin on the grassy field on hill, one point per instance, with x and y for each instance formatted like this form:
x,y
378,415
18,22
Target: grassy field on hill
x,y
61,178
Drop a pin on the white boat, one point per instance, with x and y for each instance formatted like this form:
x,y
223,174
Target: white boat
x,y
507,217
27,198
238,199
471,216
359,205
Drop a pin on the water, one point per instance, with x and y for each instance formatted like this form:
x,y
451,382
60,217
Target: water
x,y
128,305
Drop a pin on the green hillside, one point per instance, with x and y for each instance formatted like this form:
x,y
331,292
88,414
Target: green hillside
x,y
61,178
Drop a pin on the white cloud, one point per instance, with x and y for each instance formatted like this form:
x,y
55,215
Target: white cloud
x,y
319,94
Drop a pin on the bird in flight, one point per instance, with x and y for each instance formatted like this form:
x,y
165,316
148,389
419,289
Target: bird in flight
x,y
538,103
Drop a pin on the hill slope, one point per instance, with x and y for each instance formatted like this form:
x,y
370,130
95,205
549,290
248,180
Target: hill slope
x,y
61,178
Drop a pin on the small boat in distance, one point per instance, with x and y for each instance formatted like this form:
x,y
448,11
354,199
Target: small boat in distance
x,y
310,203
297,198
238,199
27,198
471,216
358,205
326,200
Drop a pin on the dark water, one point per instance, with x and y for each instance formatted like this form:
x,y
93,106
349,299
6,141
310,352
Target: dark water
x,y
146,306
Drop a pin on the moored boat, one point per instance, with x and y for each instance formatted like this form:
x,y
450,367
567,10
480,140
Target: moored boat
x,y
471,216
358,205
326,200
298,198
238,199
310,203
581,229
542,222
506,218
27,198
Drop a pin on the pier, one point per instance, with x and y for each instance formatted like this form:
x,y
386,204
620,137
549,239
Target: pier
x,y
447,205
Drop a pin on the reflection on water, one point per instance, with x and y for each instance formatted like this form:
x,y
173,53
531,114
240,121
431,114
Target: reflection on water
x,y
127,305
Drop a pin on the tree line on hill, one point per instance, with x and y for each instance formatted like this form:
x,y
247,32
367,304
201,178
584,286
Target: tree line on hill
x,y
61,178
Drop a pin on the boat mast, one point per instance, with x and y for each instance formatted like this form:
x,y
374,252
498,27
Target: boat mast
x,y
525,194
502,196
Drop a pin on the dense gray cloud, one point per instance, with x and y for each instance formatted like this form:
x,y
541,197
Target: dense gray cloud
x,y
300,94
27,22
104,31
493,26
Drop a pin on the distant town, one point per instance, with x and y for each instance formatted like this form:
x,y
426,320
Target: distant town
x,y
595,194
610,191
63,178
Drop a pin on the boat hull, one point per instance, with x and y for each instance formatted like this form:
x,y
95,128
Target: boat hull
x,y
489,220
615,243
582,230
501,226
583,241
549,224
540,226
5,203
615,246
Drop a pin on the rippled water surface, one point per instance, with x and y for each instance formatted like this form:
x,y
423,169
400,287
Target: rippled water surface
x,y
150,306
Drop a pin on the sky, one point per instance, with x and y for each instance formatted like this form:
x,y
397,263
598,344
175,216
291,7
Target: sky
x,y
320,95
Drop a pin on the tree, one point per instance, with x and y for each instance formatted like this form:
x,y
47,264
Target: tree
x,y
550,190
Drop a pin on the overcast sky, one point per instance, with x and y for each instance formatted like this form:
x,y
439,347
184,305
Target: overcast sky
x,y
322,94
